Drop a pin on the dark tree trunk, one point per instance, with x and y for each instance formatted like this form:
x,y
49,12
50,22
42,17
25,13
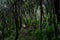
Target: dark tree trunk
x,y
41,10
15,14
56,11
56,4
41,14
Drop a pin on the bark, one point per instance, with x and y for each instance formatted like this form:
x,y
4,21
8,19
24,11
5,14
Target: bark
x,y
41,11
56,4
15,14
41,14
56,11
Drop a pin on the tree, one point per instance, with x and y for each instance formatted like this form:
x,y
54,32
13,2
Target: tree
x,y
56,11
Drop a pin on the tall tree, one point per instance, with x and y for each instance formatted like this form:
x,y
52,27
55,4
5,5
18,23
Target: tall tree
x,y
39,2
16,9
56,11
56,4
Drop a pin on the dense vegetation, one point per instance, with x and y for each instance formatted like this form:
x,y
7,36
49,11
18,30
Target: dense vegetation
x,y
29,20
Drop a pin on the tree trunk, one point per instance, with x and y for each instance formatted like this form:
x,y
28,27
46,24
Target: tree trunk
x,y
56,11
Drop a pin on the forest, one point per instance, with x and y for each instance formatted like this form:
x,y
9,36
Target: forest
x,y
29,19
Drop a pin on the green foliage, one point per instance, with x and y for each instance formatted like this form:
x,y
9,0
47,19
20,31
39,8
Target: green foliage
x,y
39,35
35,22
50,32
44,34
27,21
31,8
